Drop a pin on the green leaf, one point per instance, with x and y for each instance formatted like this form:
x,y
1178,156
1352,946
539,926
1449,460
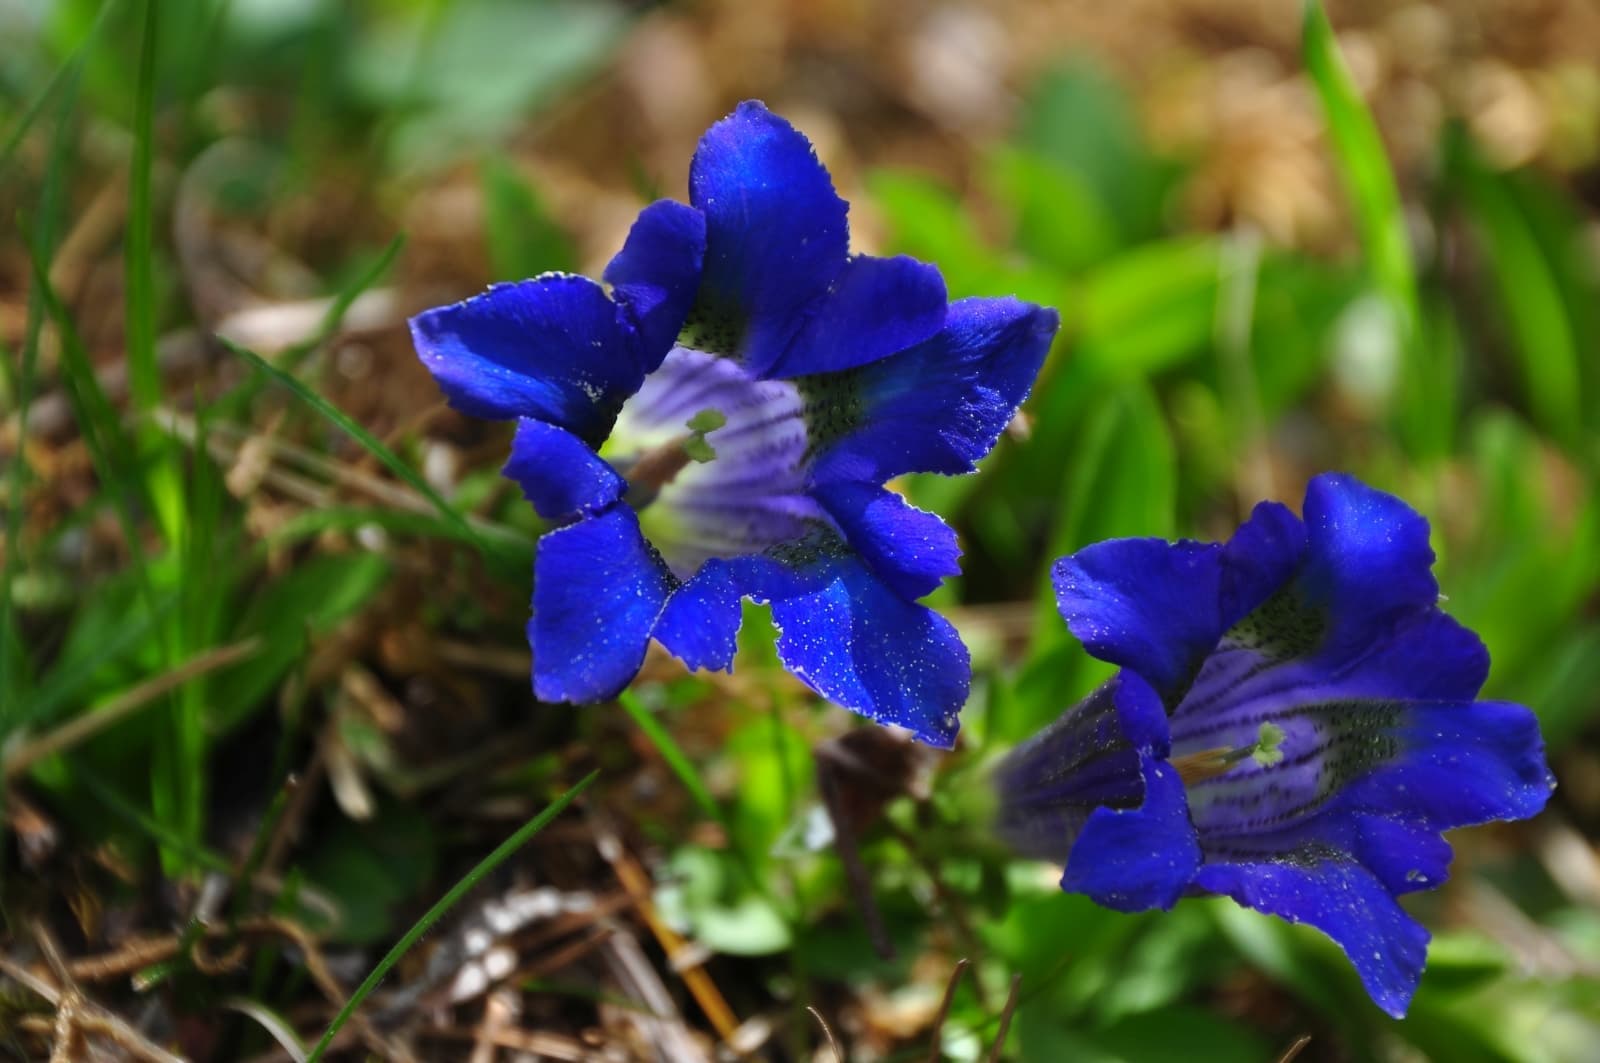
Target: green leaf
x,y
1150,308
1058,218
1181,1034
1562,679
371,868
523,239
689,775
1120,480
1080,120
112,627
927,221
367,440
1363,167
465,74
1543,342
288,616
703,901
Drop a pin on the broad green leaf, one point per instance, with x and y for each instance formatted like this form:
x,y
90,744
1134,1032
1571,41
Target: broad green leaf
x,y
1150,308
1363,166
925,220
705,899
372,868
1182,1034
1079,120
1526,281
465,74
289,615
523,239
1056,215
1120,480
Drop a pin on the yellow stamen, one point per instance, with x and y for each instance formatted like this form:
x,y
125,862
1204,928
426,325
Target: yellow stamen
x,y
1205,764
659,466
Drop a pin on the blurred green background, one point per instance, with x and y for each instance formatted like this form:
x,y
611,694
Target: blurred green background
x,y
263,684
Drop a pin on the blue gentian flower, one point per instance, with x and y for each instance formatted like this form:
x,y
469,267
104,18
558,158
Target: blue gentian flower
x,y
1294,724
720,424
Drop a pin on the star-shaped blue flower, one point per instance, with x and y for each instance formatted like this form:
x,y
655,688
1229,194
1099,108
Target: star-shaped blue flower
x,y
720,425
1294,724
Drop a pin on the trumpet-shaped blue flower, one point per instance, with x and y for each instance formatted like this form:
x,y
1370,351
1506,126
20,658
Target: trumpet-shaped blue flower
x,y
1294,724
717,422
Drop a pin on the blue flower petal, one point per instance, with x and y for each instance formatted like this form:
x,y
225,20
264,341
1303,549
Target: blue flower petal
x,y
1345,901
1142,713
1260,559
1146,604
1367,560
558,472
1404,856
858,643
700,624
1458,765
937,407
1050,784
875,307
550,348
1395,732
909,549
656,274
1134,859
598,588
776,234
1428,656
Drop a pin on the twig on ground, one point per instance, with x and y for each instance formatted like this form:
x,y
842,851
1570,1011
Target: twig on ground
x,y
140,953
85,726
637,884
1295,1049
827,1032
535,1042
944,1007
499,1015
657,1019
76,1015
1005,1020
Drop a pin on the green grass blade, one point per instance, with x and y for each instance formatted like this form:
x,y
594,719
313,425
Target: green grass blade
x,y
444,904
684,769
674,755
64,685
343,301
46,227
1544,344
144,378
1363,167
66,73
234,403
169,840
108,445
313,522
373,446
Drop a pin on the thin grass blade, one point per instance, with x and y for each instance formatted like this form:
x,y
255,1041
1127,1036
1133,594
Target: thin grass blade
x,y
444,904
373,445
1363,167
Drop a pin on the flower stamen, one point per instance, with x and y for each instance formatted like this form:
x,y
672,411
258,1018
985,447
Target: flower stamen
x,y
1266,751
660,465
